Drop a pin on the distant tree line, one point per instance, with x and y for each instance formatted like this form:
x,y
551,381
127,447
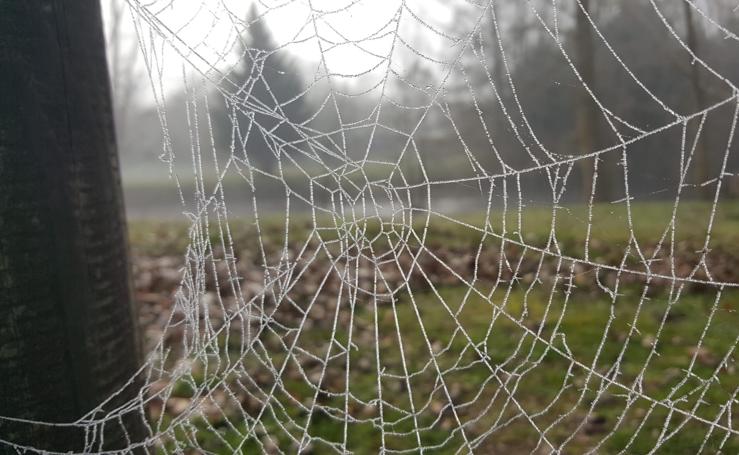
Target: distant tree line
x,y
532,88
664,81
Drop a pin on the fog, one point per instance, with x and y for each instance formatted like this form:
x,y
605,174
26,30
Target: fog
x,y
447,106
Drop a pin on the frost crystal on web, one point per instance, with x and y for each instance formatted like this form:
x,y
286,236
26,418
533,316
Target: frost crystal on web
x,y
391,252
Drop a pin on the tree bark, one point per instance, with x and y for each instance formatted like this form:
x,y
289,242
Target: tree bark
x,y
67,334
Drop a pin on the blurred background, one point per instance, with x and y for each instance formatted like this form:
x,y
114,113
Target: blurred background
x,y
479,91
570,168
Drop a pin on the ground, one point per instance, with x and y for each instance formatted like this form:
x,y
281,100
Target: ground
x,y
503,321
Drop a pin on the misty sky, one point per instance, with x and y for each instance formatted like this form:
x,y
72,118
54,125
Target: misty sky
x,y
357,34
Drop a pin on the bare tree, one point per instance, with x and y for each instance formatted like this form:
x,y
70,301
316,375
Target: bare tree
x,y
701,166
125,74
587,113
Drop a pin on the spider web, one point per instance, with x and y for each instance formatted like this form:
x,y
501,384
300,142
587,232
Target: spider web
x,y
381,304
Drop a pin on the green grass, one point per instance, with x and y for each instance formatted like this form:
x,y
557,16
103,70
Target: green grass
x,y
582,326
512,327
610,227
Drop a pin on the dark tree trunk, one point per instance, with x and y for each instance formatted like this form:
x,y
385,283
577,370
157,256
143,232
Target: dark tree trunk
x,y
67,336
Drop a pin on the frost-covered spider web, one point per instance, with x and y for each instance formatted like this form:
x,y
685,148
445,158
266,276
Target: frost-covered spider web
x,y
386,270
